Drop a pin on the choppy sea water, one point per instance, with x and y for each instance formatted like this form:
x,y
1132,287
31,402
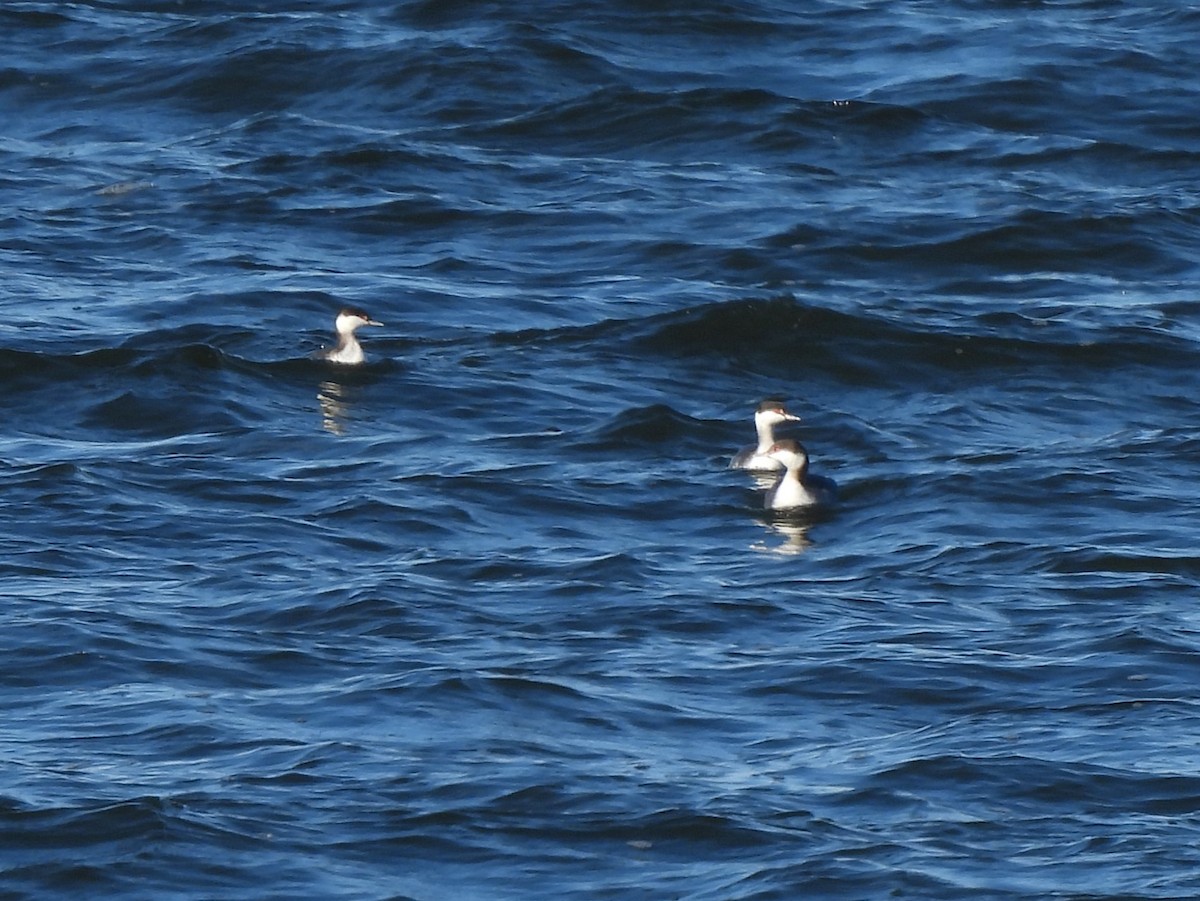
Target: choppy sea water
x,y
489,617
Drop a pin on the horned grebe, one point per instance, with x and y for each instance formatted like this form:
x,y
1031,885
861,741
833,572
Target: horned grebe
x,y
348,350
797,487
755,456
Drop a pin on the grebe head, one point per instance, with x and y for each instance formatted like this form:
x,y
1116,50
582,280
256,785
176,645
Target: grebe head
x,y
348,350
790,453
350,319
773,412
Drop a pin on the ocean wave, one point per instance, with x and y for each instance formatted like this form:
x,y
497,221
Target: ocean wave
x,y
770,332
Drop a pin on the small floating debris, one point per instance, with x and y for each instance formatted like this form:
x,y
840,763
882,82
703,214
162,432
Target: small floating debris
x,y
124,187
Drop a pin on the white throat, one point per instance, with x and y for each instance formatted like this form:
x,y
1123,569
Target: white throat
x,y
766,434
348,350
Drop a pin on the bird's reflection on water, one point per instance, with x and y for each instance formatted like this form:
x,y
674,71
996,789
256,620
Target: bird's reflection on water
x,y
794,533
335,400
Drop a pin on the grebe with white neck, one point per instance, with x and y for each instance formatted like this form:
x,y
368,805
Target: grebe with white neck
x,y
348,351
797,487
770,413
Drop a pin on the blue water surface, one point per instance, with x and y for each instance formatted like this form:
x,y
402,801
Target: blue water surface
x,y
490,617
